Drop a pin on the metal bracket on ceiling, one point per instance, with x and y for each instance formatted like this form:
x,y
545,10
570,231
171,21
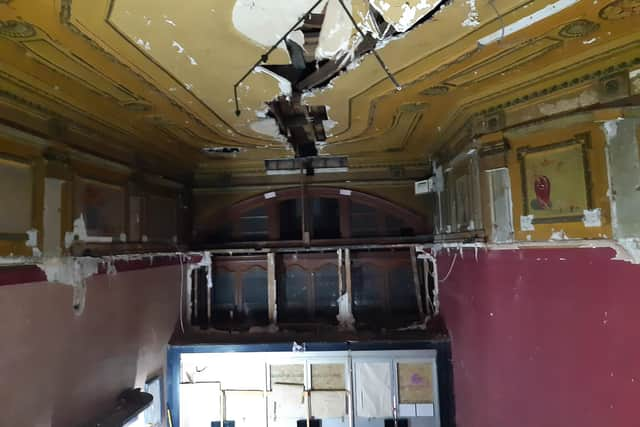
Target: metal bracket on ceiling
x,y
265,57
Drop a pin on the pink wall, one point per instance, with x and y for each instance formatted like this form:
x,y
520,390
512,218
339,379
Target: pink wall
x,y
58,369
544,337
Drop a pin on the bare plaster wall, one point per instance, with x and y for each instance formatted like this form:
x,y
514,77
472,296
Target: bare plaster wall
x,y
624,175
59,369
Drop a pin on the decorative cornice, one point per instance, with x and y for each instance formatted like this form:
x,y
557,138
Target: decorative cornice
x,y
598,74
579,28
17,29
620,9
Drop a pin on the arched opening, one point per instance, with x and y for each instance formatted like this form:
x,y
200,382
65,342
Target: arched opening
x,y
318,215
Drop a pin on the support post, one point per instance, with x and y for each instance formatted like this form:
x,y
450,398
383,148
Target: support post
x,y
271,287
340,272
416,280
429,306
347,276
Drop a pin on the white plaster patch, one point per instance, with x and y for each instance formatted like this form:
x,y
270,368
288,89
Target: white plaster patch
x,y
634,79
345,192
630,250
123,237
32,238
270,195
192,60
297,36
345,318
177,46
526,223
412,12
558,235
249,18
472,19
336,33
328,126
170,22
145,44
79,232
592,218
610,129
283,84
206,262
72,272
269,127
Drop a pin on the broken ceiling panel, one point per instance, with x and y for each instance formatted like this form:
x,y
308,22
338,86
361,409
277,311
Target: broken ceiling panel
x,y
249,18
404,14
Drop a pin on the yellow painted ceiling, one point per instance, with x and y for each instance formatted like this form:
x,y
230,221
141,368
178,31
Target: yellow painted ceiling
x,y
155,77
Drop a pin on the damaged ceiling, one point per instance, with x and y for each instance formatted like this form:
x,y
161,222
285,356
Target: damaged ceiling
x,y
153,81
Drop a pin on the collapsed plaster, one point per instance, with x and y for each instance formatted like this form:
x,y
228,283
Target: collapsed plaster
x,y
346,321
526,223
592,217
268,127
249,17
336,32
73,272
328,41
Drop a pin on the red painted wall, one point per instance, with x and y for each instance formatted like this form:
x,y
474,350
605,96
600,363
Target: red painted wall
x,y
543,337
59,369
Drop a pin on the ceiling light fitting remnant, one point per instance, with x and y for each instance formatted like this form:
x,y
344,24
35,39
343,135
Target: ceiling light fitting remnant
x,y
265,57
221,150
320,164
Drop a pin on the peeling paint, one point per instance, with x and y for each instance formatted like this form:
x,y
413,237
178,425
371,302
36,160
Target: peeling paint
x,y
249,18
585,99
610,128
630,250
32,238
336,33
526,223
472,17
79,232
177,46
283,84
268,127
72,272
145,44
592,218
558,235
206,262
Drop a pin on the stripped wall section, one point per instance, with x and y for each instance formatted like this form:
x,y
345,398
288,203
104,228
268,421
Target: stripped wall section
x,y
60,369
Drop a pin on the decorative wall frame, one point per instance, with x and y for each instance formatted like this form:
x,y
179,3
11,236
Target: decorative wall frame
x,y
556,180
